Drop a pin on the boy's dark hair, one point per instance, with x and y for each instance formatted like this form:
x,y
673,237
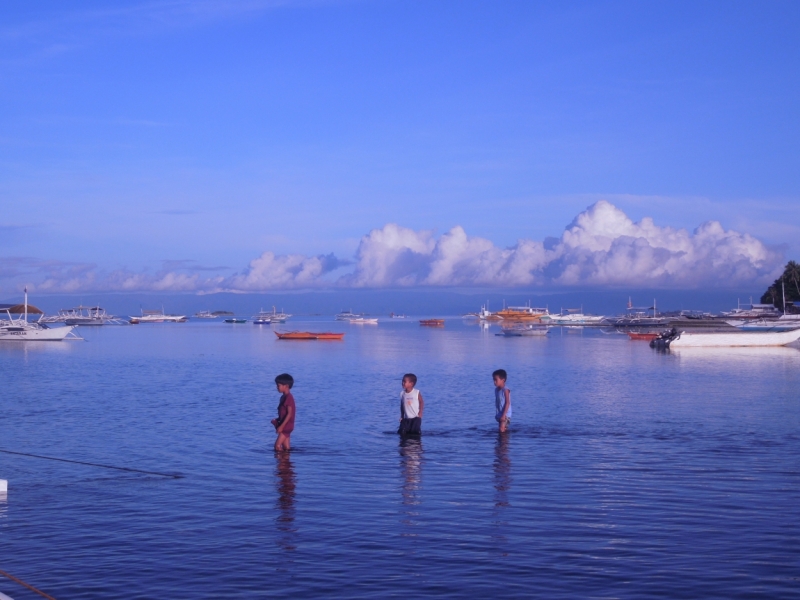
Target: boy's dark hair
x,y
285,379
411,377
501,373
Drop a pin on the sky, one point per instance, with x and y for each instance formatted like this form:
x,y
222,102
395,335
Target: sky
x,y
191,146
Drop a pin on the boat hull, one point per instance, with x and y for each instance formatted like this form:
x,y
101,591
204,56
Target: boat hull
x,y
730,340
432,322
309,335
29,334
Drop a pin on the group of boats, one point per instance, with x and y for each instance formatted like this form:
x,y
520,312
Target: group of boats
x,y
750,324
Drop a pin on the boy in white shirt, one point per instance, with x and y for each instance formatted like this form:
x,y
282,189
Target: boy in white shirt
x,y
411,407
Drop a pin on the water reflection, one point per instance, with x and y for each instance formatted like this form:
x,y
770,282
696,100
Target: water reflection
x,y
286,482
502,485
411,467
3,509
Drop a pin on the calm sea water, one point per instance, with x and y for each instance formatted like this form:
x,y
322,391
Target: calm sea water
x,y
627,472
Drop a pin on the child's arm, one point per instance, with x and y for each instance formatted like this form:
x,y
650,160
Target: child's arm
x,y
507,392
421,405
289,413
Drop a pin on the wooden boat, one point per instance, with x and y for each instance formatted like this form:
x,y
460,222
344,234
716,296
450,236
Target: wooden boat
x,y
642,336
309,335
521,313
432,322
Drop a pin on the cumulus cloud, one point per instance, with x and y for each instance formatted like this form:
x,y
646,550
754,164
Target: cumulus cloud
x,y
288,271
602,247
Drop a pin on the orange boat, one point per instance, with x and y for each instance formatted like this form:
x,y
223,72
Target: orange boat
x,y
309,335
521,313
642,336
432,322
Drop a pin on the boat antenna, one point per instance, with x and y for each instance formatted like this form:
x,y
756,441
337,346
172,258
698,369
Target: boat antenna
x,y
26,303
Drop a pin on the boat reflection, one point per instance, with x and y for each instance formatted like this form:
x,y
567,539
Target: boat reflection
x,y
411,468
286,483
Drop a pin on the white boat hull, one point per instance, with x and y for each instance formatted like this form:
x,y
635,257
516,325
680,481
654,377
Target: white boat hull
x,y
729,340
34,334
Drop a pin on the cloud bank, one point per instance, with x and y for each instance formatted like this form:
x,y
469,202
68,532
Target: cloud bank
x,y
602,247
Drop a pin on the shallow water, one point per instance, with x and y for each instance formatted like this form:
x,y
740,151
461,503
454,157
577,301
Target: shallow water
x,y
626,473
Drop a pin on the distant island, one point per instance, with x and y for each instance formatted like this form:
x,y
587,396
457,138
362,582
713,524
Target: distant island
x,y
790,282
221,313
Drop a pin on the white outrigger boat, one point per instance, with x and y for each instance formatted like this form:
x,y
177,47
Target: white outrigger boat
x,y
363,321
20,330
86,316
348,315
684,339
572,316
157,316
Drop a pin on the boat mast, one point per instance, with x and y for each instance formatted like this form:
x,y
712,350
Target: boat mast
x,y
26,303
783,284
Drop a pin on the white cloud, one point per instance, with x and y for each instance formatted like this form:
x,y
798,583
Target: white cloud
x,y
602,247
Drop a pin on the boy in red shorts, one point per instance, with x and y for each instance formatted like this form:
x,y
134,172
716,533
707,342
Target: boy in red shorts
x,y
284,424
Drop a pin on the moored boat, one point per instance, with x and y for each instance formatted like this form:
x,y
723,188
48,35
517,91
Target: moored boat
x,y
644,336
85,316
204,314
432,322
235,320
308,335
684,339
363,321
157,316
348,315
572,316
20,330
521,313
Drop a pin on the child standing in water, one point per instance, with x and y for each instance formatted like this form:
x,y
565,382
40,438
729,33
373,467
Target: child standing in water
x,y
502,399
284,424
411,407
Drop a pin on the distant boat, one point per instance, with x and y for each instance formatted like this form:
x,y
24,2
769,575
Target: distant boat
x,y
572,316
484,314
157,316
432,322
753,311
262,318
363,321
204,314
348,315
683,339
309,335
235,320
521,313
277,317
91,316
394,316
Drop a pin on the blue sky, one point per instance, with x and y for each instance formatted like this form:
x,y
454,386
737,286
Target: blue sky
x,y
206,134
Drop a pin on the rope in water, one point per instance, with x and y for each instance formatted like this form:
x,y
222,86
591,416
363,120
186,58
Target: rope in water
x,y
27,585
80,462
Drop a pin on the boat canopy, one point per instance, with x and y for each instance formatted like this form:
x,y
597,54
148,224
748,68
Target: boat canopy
x,y
19,309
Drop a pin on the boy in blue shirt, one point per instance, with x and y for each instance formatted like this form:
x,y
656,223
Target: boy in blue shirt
x,y
502,399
